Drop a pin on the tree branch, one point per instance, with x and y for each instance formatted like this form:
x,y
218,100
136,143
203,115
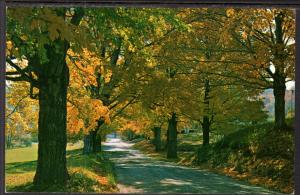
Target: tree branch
x,y
15,108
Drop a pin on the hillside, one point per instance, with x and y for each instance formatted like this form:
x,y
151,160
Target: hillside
x,y
269,101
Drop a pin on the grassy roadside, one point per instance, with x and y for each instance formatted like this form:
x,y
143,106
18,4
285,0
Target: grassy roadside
x,y
263,162
88,173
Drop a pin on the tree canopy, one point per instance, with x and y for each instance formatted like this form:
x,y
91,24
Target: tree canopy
x,y
74,72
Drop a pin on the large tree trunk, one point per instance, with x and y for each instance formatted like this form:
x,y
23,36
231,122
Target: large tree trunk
x,y
98,143
279,75
206,122
157,138
279,95
52,137
92,141
172,137
205,127
87,143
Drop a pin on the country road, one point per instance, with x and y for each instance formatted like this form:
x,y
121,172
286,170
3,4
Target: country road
x,y
138,173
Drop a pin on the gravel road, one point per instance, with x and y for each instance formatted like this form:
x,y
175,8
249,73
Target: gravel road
x,y
138,173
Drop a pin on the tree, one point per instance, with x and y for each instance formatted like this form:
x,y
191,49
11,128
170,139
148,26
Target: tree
x,y
157,138
20,112
122,48
208,80
267,38
172,137
256,48
44,44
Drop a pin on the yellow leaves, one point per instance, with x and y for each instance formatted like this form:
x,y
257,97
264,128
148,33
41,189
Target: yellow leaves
x,y
230,12
87,66
9,45
135,126
125,33
131,48
244,35
159,32
21,111
108,76
202,59
151,18
120,61
151,62
24,37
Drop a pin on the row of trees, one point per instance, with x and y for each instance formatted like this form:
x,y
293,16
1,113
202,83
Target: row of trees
x,y
86,66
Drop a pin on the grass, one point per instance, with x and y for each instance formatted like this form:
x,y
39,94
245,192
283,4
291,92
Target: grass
x,y
30,153
21,154
88,173
187,144
258,155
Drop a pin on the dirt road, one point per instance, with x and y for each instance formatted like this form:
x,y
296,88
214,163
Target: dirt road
x,y
138,173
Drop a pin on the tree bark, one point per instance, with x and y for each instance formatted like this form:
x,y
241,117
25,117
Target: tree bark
x,y
206,122
52,137
279,75
172,137
92,141
98,143
205,127
157,138
279,95
87,143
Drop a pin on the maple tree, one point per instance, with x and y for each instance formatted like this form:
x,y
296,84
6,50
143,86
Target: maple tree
x,y
88,72
270,42
188,74
257,47
122,52
36,35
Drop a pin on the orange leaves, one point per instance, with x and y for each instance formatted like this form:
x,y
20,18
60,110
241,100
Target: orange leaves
x,y
75,124
87,65
135,126
83,113
100,110
244,35
230,12
9,45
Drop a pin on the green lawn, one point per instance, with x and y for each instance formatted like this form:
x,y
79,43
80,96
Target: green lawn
x,y
21,154
30,153
89,173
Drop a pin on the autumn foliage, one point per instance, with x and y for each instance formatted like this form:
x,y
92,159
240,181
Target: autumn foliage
x,y
97,71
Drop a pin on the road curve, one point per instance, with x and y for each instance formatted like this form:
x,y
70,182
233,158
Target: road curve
x,y
138,173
